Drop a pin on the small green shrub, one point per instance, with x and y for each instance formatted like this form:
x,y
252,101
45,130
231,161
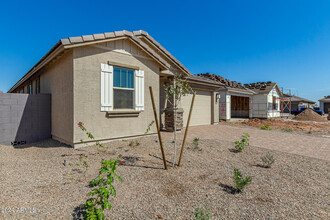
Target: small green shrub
x,y
203,213
268,160
103,189
266,127
245,141
240,181
196,143
287,129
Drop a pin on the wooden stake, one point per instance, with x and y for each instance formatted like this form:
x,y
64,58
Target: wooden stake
x,y
186,131
157,125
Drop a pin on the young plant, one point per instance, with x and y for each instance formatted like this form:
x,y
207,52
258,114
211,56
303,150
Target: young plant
x,y
245,141
149,127
89,135
240,181
202,213
268,160
103,189
287,129
174,90
196,143
266,127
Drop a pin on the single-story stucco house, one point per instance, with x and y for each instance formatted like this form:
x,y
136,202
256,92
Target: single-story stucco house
x,y
266,100
103,80
297,102
255,100
234,100
325,104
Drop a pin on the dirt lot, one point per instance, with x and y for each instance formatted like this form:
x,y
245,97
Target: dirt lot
x,y
296,187
283,124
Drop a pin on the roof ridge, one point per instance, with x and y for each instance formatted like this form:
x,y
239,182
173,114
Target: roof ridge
x,y
123,33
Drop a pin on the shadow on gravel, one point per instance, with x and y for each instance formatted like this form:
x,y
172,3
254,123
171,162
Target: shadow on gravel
x,y
79,213
228,189
162,159
234,151
49,143
130,161
261,166
133,165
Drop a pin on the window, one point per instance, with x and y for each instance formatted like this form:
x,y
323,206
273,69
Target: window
x,y
37,85
275,105
123,88
29,88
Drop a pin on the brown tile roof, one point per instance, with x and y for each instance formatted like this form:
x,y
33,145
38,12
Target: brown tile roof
x,y
222,80
298,99
134,35
326,98
81,40
196,78
261,87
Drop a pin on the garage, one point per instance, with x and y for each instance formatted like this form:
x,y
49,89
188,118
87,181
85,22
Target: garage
x,y
202,112
240,106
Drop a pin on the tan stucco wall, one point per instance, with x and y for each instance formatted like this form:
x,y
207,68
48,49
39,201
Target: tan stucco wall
x,y
87,71
57,80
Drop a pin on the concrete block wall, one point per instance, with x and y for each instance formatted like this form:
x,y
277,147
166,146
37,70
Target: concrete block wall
x,y
24,118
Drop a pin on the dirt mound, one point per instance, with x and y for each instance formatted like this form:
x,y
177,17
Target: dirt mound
x,y
310,115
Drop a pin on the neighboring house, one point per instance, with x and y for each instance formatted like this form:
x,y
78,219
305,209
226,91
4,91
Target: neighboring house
x,y
266,100
325,104
103,80
234,100
296,102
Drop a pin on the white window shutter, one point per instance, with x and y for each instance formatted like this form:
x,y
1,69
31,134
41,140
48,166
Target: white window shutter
x,y
139,90
106,87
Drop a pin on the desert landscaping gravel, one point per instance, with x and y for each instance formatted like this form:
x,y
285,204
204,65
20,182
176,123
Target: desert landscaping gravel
x,y
45,179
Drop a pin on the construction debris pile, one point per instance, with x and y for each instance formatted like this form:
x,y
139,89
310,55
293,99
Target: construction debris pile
x,y
258,85
226,82
310,115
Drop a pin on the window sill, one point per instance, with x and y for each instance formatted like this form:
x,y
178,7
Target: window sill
x,y
123,113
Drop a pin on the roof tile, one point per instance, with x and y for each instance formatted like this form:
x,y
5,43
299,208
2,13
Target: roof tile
x,y
75,40
109,35
98,36
88,38
127,33
119,33
65,41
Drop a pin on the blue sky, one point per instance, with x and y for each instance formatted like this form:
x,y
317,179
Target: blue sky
x,y
286,41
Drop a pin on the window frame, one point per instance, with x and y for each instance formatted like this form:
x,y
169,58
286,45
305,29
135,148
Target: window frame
x,y
38,85
123,88
30,88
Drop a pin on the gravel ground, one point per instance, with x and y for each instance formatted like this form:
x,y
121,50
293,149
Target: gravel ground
x,y
296,187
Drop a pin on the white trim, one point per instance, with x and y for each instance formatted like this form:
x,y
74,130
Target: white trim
x,y
106,87
139,90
